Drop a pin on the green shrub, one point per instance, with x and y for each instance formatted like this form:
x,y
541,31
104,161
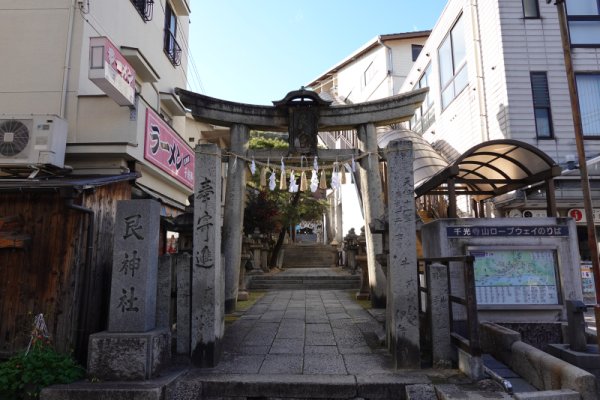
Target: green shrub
x,y
24,375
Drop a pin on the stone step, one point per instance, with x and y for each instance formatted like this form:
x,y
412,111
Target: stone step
x,y
303,286
301,387
308,256
305,278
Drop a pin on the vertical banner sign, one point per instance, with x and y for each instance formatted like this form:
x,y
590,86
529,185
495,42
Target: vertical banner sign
x,y
111,72
165,149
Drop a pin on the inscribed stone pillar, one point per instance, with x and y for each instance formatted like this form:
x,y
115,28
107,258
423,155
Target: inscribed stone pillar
x,y
135,265
234,214
439,314
402,294
374,207
208,283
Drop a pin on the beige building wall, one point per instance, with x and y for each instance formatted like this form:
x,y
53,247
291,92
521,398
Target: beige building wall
x,y
103,137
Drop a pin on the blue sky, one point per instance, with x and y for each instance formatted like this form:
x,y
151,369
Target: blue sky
x,y
255,51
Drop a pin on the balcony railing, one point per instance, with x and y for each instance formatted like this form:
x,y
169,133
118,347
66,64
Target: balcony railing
x,y
172,48
144,7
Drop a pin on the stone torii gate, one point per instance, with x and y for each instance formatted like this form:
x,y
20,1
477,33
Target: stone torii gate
x,y
303,114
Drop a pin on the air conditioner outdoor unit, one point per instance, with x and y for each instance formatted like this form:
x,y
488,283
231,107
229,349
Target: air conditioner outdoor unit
x,y
32,140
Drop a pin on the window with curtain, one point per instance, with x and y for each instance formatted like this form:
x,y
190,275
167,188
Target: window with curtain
x,y
531,9
453,63
584,22
588,90
541,105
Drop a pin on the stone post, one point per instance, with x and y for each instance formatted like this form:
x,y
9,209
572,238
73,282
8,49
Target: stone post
x,y
234,214
208,280
132,349
373,206
183,264
163,294
439,315
402,294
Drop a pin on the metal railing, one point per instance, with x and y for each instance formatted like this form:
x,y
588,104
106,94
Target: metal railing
x,y
172,48
144,8
463,334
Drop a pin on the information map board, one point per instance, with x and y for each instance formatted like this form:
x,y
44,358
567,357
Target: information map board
x,y
515,276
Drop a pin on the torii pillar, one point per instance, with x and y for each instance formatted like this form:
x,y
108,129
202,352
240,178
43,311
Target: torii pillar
x,y
373,207
233,217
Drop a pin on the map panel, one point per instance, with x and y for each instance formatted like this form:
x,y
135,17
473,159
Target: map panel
x,y
515,276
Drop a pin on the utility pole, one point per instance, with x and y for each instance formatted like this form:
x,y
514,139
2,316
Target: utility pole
x,y
585,181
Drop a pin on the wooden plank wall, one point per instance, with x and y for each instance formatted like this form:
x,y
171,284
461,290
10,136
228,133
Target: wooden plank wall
x,y
47,277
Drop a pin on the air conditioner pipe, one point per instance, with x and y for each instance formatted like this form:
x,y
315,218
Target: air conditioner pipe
x,y
82,329
67,67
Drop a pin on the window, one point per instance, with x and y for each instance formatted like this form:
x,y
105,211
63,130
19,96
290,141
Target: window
x,y
453,63
584,22
144,8
416,50
531,9
588,90
425,115
172,48
541,105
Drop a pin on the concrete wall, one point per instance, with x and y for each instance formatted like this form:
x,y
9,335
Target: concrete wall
x,y
35,36
436,243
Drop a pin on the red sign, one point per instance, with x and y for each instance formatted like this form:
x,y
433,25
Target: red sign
x,y
576,214
164,148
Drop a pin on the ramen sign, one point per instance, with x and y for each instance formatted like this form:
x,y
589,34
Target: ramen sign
x,y
165,149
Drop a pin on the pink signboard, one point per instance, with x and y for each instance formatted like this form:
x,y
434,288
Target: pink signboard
x,y
111,72
165,149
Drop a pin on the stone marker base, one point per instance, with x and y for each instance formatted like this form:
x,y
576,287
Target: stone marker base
x,y
128,356
243,295
362,296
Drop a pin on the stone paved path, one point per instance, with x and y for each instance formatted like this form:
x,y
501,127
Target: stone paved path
x,y
305,332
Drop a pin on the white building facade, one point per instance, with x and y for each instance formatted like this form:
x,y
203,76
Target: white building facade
x,y
496,70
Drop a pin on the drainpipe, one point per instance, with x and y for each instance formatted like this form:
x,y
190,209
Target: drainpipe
x,y
389,63
82,326
67,67
481,95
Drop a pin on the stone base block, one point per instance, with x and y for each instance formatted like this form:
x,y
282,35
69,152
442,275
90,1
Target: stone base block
x,y
362,296
243,295
470,366
588,360
128,356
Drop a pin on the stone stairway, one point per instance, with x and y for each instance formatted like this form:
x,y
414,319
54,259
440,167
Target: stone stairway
x,y
308,255
306,279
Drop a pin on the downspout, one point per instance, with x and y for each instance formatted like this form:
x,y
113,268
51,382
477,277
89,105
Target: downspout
x,y
67,67
482,94
82,326
389,64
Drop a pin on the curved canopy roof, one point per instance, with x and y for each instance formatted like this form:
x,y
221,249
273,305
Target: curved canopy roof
x,y
427,161
493,168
